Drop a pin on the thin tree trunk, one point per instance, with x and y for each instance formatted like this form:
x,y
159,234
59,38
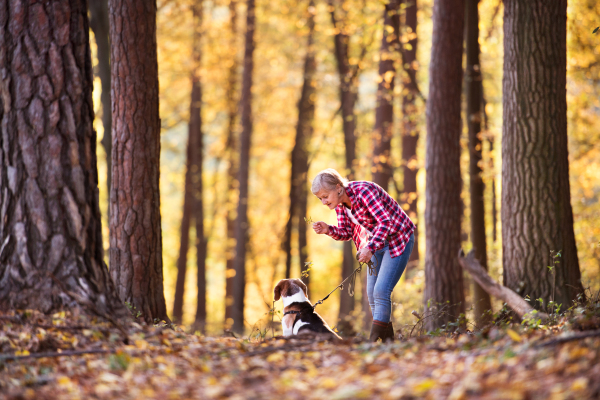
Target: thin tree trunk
x,y
410,132
186,220
473,79
99,24
443,275
232,171
241,226
384,113
537,219
50,236
299,156
196,125
348,97
135,238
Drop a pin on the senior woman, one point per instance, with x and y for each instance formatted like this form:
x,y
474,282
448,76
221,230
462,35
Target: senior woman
x,y
382,233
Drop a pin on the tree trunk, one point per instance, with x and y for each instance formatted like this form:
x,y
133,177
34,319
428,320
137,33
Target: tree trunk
x,y
348,97
443,275
186,219
232,171
51,239
473,79
241,225
299,156
196,126
384,113
99,24
410,132
537,219
135,230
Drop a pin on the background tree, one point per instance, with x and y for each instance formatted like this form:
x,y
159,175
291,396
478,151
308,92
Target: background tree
x,y
241,225
384,113
410,115
50,232
135,226
299,156
537,219
99,25
473,82
231,146
443,210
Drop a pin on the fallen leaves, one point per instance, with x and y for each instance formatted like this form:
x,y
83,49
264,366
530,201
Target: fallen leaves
x,y
164,363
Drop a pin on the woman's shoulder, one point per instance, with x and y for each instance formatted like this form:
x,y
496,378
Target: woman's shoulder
x,y
364,187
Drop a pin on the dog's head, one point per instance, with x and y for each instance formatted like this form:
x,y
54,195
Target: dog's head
x,y
292,290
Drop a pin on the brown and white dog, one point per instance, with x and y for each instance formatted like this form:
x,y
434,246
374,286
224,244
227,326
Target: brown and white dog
x,y
299,316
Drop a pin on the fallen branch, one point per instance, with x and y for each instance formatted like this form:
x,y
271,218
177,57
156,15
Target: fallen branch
x,y
564,339
56,354
514,301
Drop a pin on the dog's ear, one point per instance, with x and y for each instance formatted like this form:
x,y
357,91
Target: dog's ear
x,y
277,290
302,286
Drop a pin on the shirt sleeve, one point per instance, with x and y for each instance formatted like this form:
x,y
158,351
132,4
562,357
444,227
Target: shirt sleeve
x,y
343,230
371,199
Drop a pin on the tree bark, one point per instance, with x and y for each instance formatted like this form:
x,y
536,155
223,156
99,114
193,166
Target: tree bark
x,y
537,219
232,171
521,307
443,275
197,170
473,79
241,225
51,239
299,157
135,230
99,24
410,132
348,97
384,113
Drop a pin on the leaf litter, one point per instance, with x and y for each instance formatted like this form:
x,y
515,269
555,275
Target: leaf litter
x,y
73,356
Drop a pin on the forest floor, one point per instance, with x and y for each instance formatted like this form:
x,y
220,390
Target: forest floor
x,y
74,356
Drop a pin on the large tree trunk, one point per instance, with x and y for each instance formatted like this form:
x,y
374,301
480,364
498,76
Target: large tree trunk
x,y
135,230
410,132
348,97
232,170
99,24
443,275
196,126
299,156
537,219
384,113
473,80
50,236
241,225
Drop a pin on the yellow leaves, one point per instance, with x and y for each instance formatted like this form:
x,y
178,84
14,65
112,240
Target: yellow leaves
x,y
514,336
275,357
424,386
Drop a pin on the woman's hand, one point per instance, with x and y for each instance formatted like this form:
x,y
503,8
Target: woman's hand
x,y
364,255
321,228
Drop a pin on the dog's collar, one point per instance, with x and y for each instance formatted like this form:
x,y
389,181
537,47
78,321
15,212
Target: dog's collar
x,y
292,312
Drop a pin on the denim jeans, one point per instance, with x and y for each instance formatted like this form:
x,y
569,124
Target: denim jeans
x,y
380,286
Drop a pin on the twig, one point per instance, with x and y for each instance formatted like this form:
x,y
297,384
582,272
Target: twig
x,y
576,336
56,354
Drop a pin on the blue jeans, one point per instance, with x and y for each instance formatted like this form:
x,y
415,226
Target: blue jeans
x,y
380,286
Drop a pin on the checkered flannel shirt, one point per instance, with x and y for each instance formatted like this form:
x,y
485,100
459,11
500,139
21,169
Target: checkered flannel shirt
x,y
376,211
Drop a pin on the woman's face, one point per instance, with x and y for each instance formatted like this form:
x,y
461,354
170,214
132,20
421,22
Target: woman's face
x,y
330,198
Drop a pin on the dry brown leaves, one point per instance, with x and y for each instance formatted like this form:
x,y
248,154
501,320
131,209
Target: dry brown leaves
x,y
166,364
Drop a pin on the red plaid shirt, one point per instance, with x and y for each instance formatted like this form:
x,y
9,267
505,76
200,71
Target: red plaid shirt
x,y
377,211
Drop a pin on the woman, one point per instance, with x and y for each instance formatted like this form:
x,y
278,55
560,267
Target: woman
x,y
381,230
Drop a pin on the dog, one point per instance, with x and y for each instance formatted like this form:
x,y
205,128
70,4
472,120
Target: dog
x,y
299,316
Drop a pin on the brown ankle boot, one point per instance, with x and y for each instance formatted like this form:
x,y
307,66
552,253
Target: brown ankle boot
x,y
378,331
389,333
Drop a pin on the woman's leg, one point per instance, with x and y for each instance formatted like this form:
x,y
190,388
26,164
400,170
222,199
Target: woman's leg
x,y
372,279
390,271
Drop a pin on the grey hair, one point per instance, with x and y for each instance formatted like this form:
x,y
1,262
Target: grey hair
x,y
328,179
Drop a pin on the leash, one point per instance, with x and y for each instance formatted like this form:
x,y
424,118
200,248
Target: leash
x,y
351,286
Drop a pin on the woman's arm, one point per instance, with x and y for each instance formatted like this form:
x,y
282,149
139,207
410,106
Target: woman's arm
x,y
343,231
